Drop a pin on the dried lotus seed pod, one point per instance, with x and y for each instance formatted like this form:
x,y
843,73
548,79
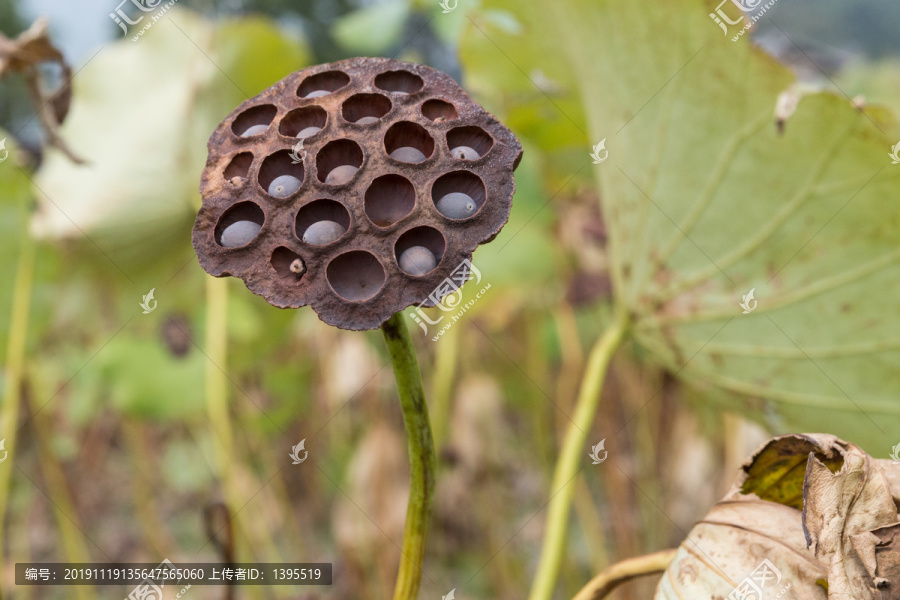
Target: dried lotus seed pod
x,y
399,177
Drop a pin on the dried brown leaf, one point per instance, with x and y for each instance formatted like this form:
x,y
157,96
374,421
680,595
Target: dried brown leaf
x,y
24,54
841,510
810,516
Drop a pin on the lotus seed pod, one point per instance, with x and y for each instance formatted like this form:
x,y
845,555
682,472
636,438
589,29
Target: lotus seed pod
x,y
464,153
239,233
456,205
283,186
254,130
341,175
322,232
408,154
360,235
308,131
417,260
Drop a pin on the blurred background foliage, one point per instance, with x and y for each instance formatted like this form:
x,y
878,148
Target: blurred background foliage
x,y
137,430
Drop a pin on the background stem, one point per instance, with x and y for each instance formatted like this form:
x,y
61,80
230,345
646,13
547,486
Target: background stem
x,y
71,531
421,455
15,362
573,451
628,569
442,387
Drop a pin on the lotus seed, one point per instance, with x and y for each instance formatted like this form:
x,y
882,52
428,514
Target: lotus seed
x,y
408,154
464,153
417,260
322,232
305,133
366,120
254,130
456,205
317,94
239,233
283,186
341,175
297,266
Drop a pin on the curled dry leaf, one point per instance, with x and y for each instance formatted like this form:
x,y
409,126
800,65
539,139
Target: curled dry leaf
x,y
23,55
810,516
850,521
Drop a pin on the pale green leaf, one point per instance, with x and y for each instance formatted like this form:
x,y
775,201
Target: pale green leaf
x,y
705,200
373,29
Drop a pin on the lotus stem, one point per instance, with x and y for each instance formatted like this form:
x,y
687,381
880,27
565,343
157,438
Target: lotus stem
x,y
15,364
572,453
421,455
626,570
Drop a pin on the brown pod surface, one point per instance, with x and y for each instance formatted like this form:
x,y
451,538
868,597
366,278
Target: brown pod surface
x,y
365,109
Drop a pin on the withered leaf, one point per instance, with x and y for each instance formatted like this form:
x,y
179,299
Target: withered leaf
x,y
810,516
841,510
23,55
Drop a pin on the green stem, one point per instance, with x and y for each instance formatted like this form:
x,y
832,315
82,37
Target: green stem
x,y
421,455
573,452
217,410
640,566
15,362
444,377
71,532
